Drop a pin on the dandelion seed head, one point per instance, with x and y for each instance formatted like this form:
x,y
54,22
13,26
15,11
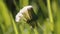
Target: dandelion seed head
x,y
25,9
20,14
18,17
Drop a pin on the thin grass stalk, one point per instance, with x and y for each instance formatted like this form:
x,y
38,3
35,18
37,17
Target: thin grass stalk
x,y
21,3
43,7
15,3
5,14
35,31
3,28
46,29
22,30
57,23
50,15
14,25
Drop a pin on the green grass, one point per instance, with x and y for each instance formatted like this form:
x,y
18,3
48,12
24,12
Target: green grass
x,y
48,18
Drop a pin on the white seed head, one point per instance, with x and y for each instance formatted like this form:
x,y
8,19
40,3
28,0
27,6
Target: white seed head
x,y
18,17
20,14
25,9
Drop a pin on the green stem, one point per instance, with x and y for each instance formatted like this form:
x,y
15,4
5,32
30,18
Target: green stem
x,y
17,8
43,7
50,15
14,25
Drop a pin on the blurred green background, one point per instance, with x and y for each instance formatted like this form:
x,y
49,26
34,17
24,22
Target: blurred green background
x,y
47,11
